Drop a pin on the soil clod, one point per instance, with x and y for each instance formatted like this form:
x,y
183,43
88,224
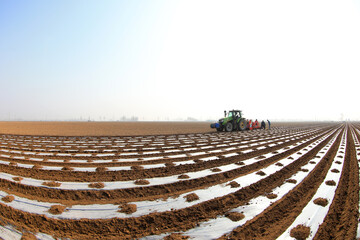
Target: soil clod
x,y
300,232
321,201
8,198
127,208
57,209
234,216
191,197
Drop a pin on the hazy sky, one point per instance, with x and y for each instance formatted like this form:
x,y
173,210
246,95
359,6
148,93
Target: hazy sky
x,y
161,60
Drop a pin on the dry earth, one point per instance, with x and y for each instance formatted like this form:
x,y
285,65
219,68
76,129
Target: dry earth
x,y
179,180
107,128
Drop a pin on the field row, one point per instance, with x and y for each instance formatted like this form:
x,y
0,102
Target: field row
x,y
240,185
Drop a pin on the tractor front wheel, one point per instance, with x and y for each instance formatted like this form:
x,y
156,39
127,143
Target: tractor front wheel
x,y
229,127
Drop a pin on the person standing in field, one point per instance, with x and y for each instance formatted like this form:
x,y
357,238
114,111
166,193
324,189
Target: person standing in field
x,y
268,123
263,126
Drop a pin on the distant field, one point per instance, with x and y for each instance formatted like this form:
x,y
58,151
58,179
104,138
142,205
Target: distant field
x,y
102,128
110,128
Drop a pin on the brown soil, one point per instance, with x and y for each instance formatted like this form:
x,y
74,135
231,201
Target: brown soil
x,y
67,197
330,183
183,176
175,236
276,218
142,182
300,232
271,196
342,219
28,236
36,166
127,208
291,181
101,169
216,170
97,185
8,198
191,197
52,184
67,169
235,216
18,179
126,175
169,164
261,173
321,201
57,209
234,184
102,128
137,167
267,225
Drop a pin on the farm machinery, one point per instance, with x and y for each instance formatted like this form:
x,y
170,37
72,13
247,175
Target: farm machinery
x,y
233,121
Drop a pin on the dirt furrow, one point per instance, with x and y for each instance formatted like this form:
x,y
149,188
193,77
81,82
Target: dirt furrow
x,y
163,157
67,159
276,218
155,223
341,222
124,175
140,193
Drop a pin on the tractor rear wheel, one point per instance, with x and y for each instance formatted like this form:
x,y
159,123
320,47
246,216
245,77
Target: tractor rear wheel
x,y
242,125
229,127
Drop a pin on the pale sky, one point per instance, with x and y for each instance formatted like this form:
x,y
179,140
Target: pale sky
x,y
170,60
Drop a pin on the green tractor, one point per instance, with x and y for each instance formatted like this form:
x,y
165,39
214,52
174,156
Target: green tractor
x,y
232,121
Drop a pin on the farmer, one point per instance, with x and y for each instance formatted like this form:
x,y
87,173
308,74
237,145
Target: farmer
x,y
268,123
263,126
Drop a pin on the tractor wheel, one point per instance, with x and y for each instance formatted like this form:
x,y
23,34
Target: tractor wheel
x,y
229,127
242,125
219,129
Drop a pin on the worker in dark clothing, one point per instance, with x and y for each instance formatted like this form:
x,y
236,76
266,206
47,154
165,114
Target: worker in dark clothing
x,y
263,126
268,123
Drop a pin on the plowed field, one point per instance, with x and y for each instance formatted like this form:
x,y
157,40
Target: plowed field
x,y
296,181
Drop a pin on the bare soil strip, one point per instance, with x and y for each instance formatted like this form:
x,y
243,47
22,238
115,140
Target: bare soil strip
x,y
102,128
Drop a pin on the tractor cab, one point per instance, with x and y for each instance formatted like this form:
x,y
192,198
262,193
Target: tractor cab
x,y
233,113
